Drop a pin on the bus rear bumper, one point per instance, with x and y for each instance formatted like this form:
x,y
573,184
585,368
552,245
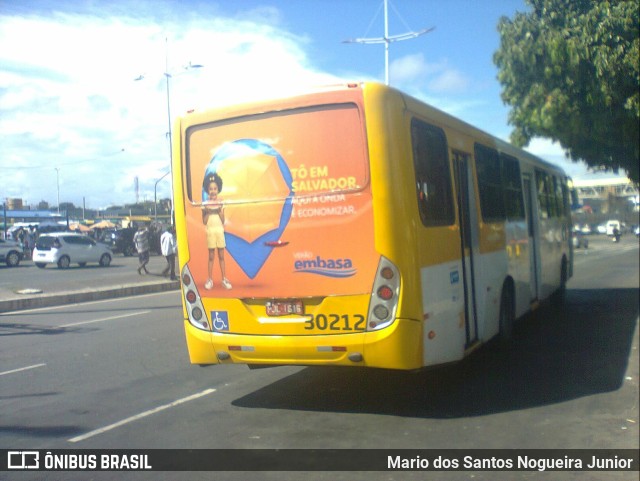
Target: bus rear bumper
x,y
395,347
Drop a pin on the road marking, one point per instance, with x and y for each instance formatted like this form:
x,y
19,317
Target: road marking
x,y
22,369
105,319
140,416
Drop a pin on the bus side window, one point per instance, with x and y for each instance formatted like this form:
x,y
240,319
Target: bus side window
x,y
490,184
513,201
560,209
433,177
550,195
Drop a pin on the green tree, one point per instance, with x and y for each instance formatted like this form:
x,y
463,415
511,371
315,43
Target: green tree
x,y
569,71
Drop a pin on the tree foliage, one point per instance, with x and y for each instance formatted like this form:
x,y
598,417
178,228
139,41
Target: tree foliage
x,y
569,71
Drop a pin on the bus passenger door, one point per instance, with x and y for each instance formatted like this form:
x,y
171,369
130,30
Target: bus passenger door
x,y
531,209
469,242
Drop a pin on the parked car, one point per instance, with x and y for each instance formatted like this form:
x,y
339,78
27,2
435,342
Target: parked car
x,y
10,252
586,229
121,241
103,235
65,248
156,229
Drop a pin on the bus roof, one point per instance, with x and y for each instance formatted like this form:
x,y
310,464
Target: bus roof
x,y
280,102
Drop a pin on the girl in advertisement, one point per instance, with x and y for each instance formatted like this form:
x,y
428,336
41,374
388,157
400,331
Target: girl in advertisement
x,y
213,219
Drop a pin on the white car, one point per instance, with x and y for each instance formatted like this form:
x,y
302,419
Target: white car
x,y
586,229
64,248
10,252
613,224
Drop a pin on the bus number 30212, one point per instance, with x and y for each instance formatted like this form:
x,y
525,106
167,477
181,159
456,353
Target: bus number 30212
x,y
335,322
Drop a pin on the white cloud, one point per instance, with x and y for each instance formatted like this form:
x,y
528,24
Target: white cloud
x,y
408,69
553,152
438,77
438,84
68,97
544,147
449,80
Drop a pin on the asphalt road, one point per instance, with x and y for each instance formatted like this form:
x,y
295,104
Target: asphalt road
x,y
115,374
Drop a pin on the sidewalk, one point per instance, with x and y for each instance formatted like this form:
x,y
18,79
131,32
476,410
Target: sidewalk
x,y
28,287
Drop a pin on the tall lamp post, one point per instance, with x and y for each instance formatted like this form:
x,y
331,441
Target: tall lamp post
x,y
168,76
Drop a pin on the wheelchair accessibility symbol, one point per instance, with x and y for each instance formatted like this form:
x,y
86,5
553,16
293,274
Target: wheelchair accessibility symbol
x,y
220,320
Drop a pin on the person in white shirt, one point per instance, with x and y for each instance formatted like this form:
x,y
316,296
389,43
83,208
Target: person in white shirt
x,y
141,240
168,248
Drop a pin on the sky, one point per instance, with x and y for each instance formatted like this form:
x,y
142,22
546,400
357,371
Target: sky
x,y
84,111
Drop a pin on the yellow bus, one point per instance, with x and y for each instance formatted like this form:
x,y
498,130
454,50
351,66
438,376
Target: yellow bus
x,y
354,225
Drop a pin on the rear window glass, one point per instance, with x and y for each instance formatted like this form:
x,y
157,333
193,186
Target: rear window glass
x,y
267,157
45,242
77,240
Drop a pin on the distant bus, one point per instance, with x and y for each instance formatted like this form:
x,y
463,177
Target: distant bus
x,y
357,226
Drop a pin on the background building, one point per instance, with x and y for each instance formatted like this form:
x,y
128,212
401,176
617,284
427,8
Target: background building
x,y
605,199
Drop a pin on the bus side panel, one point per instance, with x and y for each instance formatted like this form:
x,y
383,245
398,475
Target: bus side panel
x,y
494,269
443,306
431,276
436,260
551,252
519,263
393,191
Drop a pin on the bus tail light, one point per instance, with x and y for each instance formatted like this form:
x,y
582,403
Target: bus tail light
x,y
384,296
385,293
195,310
191,297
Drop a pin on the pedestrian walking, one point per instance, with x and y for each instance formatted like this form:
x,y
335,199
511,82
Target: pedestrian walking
x,y
141,240
30,242
168,249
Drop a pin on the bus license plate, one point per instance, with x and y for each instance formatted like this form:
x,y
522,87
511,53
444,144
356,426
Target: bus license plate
x,y
284,308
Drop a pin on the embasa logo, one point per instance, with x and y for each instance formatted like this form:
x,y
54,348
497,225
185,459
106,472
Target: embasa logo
x,y
326,267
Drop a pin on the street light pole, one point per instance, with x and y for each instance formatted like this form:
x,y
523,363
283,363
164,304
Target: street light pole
x,y
168,76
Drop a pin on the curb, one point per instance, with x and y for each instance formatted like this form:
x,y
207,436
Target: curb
x,y
20,304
